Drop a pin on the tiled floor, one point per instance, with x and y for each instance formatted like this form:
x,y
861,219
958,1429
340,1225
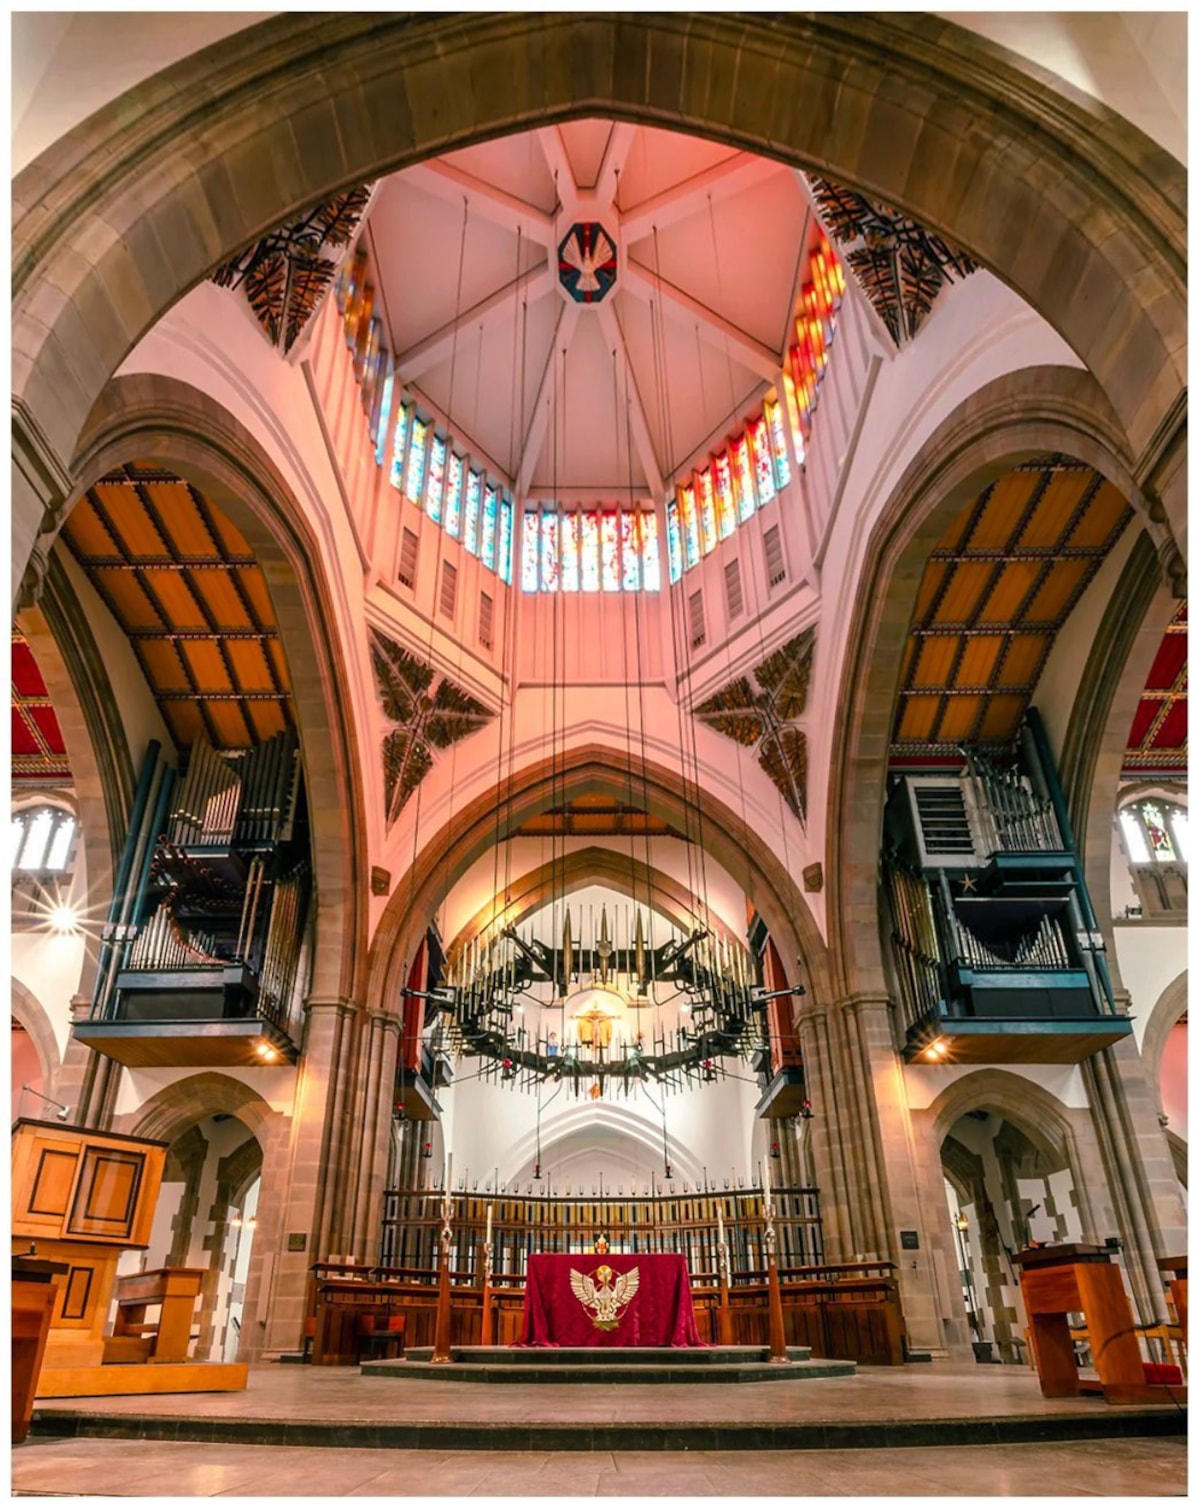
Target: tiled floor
x,y
116,1467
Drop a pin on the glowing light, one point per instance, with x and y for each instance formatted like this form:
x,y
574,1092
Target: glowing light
x,y
64,919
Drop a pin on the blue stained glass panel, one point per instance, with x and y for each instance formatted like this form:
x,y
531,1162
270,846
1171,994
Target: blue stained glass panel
x,y
674,544
783,468
437,478
505,544
487,539
454,483
399,445
385,412
743,473
471,514
569,532
416,461
529,553
589,551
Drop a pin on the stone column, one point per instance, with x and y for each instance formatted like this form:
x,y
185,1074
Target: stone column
x,y
1141,1174
373,1132
302,1179
864,1160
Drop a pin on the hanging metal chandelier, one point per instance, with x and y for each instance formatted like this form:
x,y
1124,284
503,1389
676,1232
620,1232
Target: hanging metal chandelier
x,y
478,1008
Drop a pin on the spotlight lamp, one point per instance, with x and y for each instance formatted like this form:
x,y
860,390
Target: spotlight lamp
x,y
61,1111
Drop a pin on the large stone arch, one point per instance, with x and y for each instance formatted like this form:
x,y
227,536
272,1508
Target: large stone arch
x,y
1034,410
1069,204
569,1123
33,1018
630,779
153,416
1166,1013
594,864
180,1105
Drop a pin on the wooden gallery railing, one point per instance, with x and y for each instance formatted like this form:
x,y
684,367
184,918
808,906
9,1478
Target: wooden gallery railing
x,y
843,1311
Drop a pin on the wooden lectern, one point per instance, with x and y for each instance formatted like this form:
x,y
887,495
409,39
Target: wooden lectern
x,y
80,1197
1083,1278
34,1292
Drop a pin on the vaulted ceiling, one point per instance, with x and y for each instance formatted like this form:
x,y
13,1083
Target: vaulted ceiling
x,y
183,584
997,589
498,316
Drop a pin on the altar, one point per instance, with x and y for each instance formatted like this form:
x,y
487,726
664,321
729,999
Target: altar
x,y
592,1301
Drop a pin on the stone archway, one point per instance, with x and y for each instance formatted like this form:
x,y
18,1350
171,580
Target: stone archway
x,y
1166,1013
35,1021
1073,207
152,416
1035,410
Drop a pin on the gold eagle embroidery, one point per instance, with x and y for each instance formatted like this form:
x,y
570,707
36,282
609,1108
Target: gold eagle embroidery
x,y
606,1302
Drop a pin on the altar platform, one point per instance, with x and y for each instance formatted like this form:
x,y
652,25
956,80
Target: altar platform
x,y
879,1407
728,1365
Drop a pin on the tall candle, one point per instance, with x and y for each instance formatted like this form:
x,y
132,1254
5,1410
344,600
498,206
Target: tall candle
x,y
720,1227
449,1171
766,1170
489,1226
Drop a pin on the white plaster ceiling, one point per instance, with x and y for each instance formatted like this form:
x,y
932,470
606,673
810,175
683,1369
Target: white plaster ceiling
x,y
603,400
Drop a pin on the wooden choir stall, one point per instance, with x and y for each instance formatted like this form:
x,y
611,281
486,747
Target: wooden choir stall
x,y
80,1198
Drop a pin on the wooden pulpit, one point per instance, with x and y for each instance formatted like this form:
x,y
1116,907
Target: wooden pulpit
x,y
79,1198
34,1293
1084,1278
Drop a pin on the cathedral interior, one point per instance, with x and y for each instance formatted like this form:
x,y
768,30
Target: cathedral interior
x,y
599,656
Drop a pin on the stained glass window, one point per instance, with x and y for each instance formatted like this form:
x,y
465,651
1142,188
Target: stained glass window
x,y
569,529
437,478
505,544
648,533
454,483
416,461
487,540
631,567
471,513
355,272
1135,842
691,525
674,544
816,322
743,473
610,567
764,473
385,412
589,551
550,551
1179,827
1161,848
774,418
399,445
723,477
708,509
362,333
529,553
372,366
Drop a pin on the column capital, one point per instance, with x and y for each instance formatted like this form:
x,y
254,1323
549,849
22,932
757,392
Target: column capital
x,y
342,1006
858,1002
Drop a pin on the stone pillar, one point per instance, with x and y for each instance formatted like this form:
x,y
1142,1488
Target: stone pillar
x,y
373,1131
865,1165
1141,1174
304,1168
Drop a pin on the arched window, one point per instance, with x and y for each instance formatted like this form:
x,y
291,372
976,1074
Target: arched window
x,y
1155,831
42,839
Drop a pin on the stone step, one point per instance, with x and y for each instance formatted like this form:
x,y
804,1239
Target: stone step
x,y
534,1371
506,1355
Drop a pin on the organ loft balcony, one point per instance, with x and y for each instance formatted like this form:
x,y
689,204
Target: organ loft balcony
x,y
201,953
994,948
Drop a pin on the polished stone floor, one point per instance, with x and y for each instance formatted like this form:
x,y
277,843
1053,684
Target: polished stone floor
x,y
114,1467
298,1393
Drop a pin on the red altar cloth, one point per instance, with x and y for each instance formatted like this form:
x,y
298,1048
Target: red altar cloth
x,y
659,1313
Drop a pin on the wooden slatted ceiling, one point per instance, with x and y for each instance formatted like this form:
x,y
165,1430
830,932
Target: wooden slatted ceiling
x,y
595,814
39,753
183,584
1158,736
996,590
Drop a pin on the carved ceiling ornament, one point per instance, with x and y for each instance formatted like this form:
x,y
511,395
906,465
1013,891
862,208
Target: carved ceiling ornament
x,y
901,267
425,713
759,711
284,274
